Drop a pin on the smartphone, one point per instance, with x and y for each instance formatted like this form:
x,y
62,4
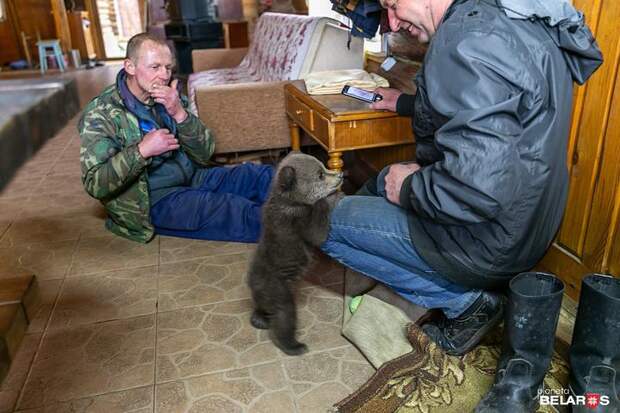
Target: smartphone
x,y
361,94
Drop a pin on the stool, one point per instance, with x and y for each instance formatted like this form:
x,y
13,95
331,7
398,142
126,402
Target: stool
x,y
54,45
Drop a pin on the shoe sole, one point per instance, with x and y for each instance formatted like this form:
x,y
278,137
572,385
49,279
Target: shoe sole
x,y
475,339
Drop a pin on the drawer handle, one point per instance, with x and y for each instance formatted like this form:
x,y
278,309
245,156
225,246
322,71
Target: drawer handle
x,y
299,112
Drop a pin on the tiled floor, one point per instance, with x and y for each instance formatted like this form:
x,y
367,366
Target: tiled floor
x,y
162,327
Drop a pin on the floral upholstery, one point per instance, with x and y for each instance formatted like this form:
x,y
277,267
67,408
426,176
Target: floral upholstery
x,y
213,77
277,52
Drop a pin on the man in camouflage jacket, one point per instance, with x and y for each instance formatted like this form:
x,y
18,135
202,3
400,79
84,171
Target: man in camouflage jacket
x,y
144,157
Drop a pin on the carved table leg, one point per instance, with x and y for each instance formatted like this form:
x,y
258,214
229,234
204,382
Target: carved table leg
x,y
295,140
335,162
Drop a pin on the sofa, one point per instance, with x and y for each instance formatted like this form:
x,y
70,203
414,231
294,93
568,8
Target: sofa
x,y
239,93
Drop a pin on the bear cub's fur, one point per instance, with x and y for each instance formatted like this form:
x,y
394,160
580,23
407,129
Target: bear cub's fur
x,y
295,220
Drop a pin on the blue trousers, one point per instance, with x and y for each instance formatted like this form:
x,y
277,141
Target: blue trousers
x,y
371,235
222,204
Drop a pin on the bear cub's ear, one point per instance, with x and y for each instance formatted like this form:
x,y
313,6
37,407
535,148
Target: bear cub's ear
x,y
287,178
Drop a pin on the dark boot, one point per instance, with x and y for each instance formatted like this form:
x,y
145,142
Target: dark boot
x,y
457,336
595,351
529,333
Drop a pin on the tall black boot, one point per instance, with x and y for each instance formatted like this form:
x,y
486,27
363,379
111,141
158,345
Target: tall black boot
x,y
529,332
595,351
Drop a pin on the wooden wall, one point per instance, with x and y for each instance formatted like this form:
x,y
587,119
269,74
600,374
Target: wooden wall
x,y
589,239
9,40
29,16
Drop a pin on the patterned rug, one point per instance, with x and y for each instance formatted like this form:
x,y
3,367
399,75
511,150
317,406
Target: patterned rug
x,y
426,380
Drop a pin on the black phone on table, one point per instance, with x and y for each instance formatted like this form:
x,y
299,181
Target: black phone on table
x,y
361,94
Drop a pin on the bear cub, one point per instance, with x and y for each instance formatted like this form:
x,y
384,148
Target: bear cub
x,y
295,220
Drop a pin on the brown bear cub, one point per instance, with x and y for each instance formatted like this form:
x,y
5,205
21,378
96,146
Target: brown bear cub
x,y
295,221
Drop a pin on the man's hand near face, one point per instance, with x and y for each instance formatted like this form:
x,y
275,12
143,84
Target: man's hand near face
x,y
394,180
169,97
157,142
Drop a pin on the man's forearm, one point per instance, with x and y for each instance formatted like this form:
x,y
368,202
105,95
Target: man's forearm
x,y
103,180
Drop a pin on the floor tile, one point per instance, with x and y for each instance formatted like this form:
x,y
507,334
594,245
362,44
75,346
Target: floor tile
x,y
181,249
257,389
319,314
90,360
107,253
61,184
322,379
210,338
46,260
53,228
202,281
48,291
139,400
106,296
23,186
77,203
12,384
36,166
61,168
12,208
4,226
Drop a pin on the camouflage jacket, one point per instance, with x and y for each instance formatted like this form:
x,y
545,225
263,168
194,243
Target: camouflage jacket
x,y
114,172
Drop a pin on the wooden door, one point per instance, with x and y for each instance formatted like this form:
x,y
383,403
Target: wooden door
x,y
589,238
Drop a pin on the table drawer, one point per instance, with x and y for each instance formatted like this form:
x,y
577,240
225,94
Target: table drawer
x,y
299,112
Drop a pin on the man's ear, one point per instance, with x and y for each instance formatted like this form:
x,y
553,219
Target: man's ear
x,y
287,178
129,66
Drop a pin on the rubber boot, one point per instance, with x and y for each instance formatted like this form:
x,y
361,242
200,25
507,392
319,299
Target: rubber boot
x,y
595,351
529,333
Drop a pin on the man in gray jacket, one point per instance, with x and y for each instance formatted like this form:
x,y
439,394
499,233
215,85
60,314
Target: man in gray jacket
x,y
486,194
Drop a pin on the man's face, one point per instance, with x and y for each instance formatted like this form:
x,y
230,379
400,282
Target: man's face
x,y
415,16
153,66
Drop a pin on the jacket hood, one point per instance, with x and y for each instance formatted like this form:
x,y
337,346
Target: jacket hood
x,y
566,26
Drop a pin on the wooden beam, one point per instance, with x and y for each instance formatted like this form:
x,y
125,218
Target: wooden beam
x,y
95,27
62,24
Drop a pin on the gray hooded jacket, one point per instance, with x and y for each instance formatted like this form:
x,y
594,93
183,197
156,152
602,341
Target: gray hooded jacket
x,y
491,118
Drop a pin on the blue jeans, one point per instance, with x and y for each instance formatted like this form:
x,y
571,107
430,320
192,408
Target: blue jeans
x,y
222,204
371,236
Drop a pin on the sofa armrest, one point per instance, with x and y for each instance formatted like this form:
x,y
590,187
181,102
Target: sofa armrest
x,y
205,59
245,116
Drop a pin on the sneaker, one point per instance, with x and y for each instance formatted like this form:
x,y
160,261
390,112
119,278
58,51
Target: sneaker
x,y
457,336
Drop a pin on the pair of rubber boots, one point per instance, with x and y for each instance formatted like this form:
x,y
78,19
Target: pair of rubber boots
x,y
530,323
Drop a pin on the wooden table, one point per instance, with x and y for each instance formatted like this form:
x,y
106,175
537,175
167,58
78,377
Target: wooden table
x,y
340,123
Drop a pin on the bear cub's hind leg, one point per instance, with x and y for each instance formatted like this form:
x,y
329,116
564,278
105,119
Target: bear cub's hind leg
x,y
283,325
260,319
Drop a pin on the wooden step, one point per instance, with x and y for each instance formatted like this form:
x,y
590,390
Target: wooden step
x,y
19,302
13,327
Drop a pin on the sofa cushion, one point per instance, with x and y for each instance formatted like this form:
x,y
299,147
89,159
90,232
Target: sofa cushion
x,y
239,74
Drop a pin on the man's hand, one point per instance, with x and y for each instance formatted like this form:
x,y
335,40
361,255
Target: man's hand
x,y
157,142
394,180
169,97
390,96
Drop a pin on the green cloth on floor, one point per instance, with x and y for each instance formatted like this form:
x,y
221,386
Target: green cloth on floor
x,y
375,319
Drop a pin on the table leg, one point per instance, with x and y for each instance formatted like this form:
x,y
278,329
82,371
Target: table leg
x,y
295,140
335,162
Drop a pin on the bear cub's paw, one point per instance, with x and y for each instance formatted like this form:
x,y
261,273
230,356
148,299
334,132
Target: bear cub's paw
x,y
259,320
294,348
